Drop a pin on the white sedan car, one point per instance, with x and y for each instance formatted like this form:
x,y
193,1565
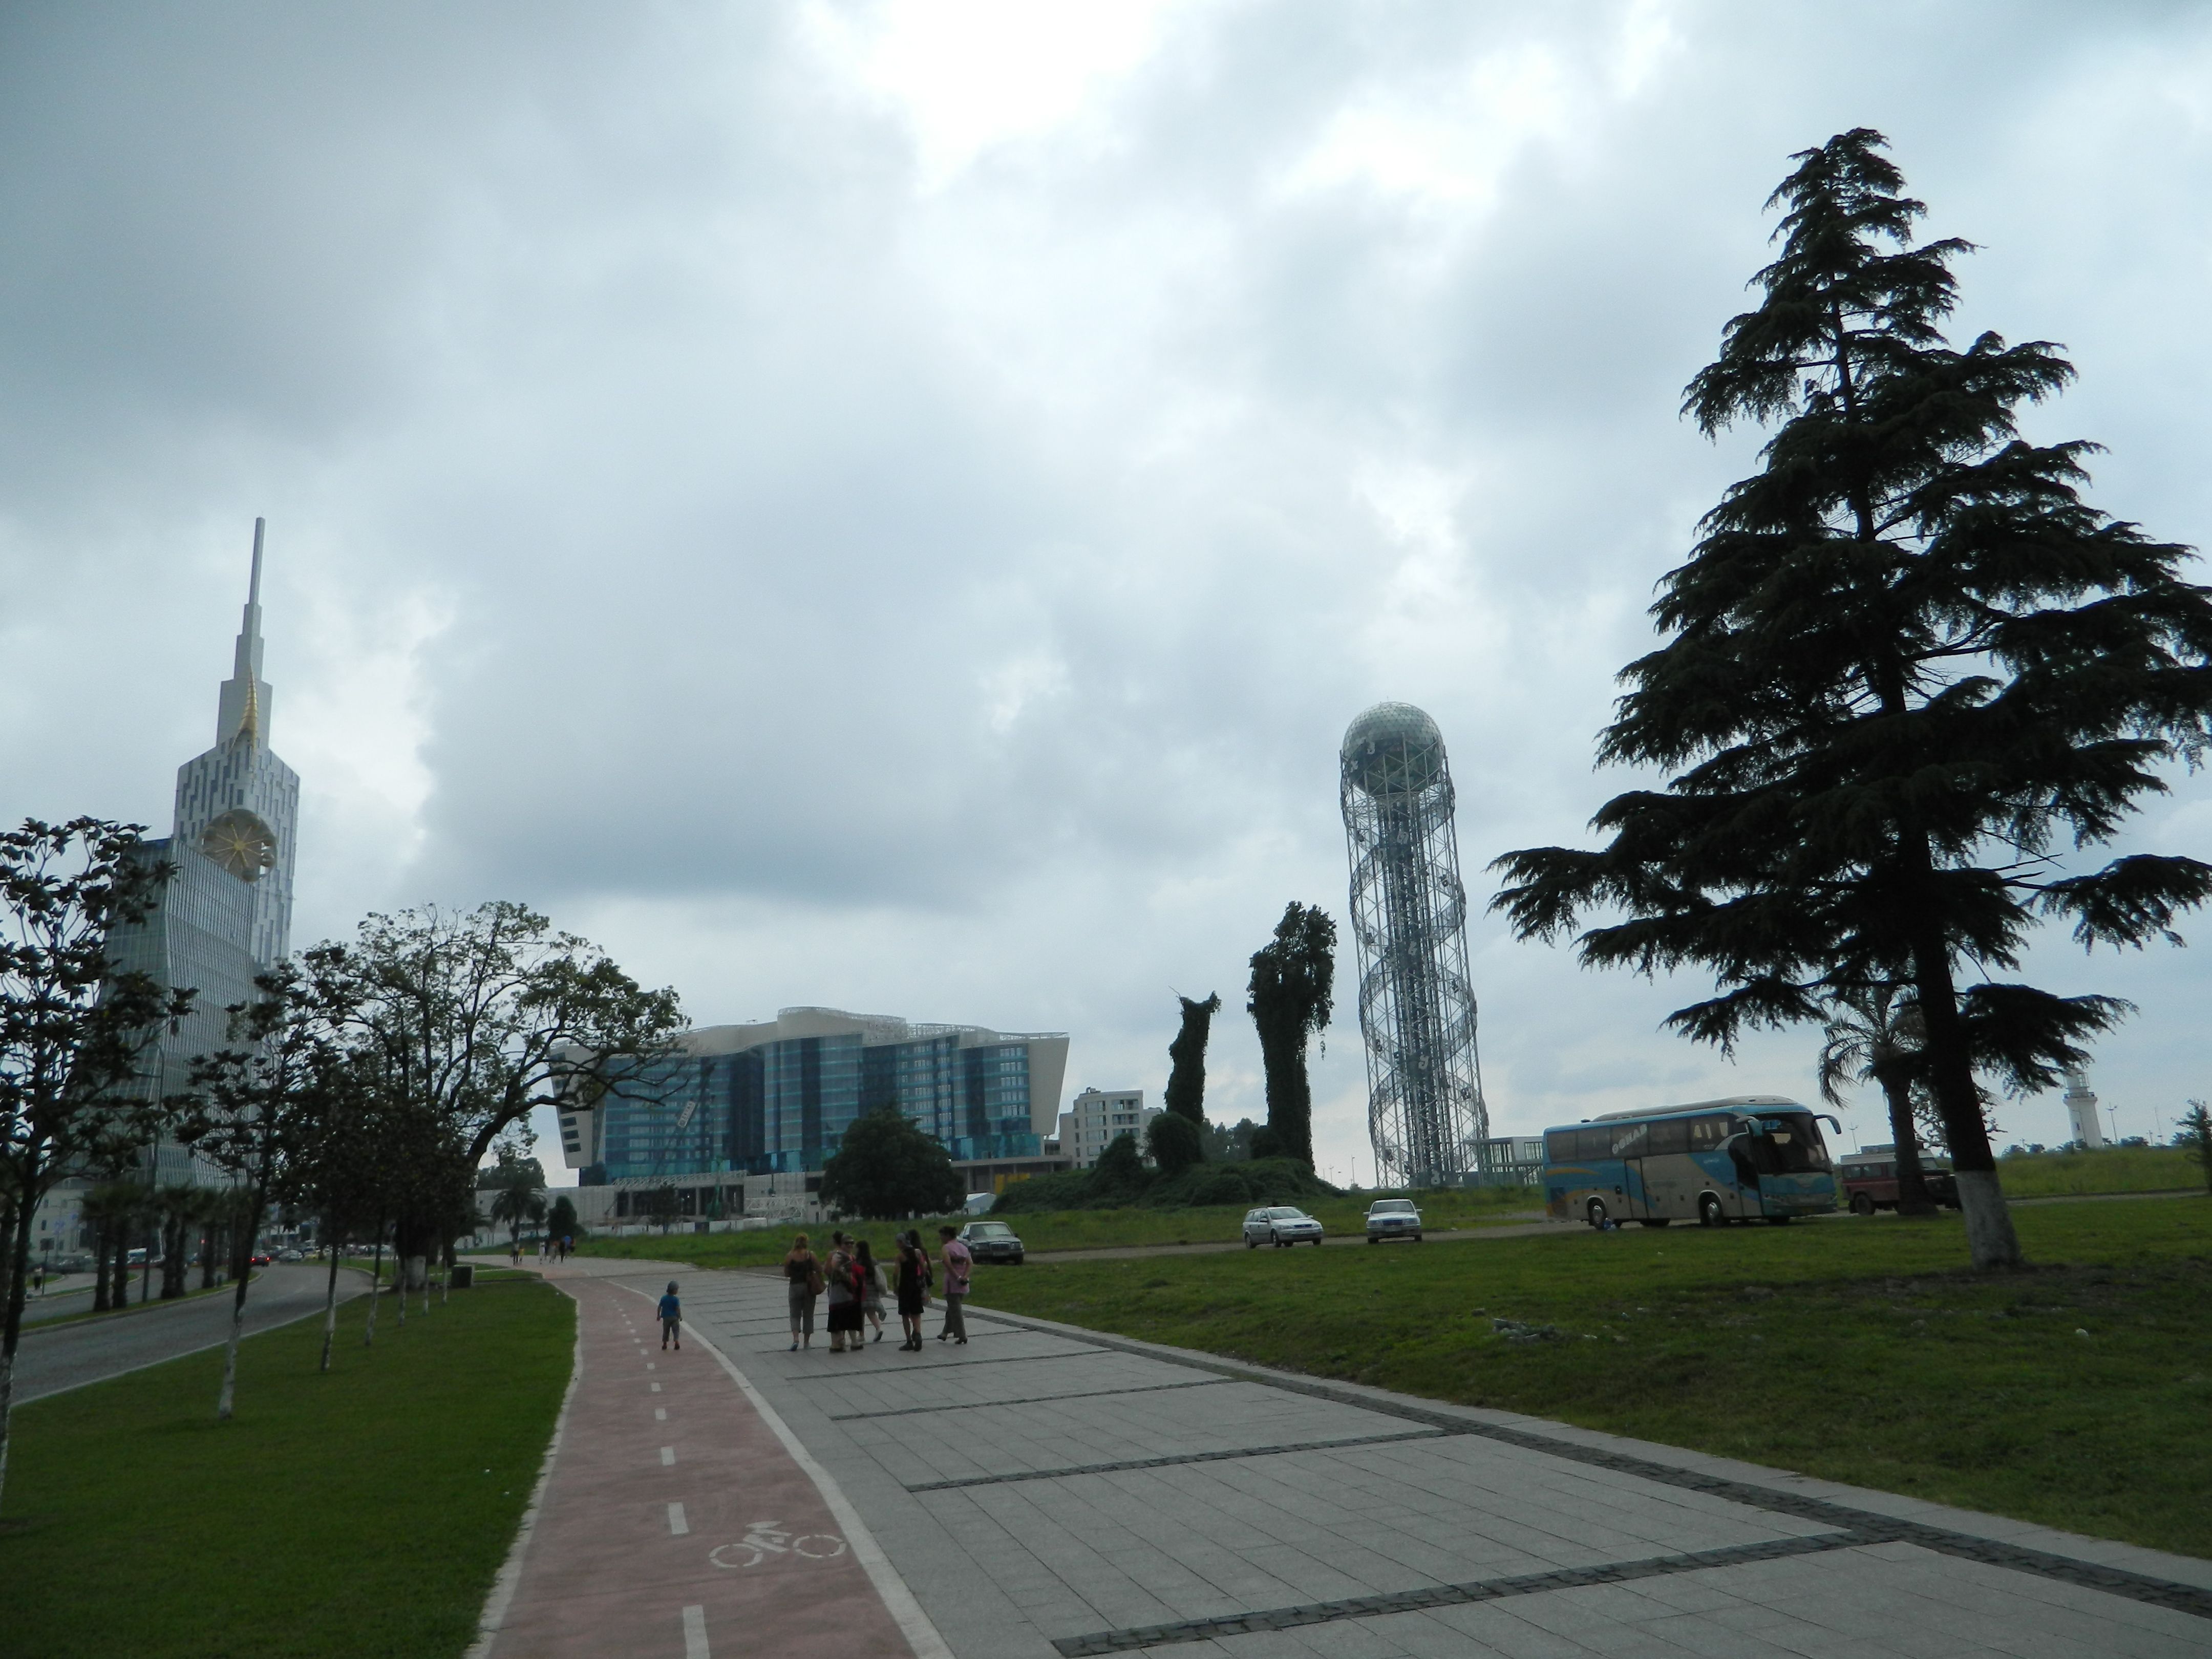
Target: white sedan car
x,y
1392,1217
1280,1224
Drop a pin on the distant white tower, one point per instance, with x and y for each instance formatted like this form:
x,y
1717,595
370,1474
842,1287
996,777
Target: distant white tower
x,y
2081,1108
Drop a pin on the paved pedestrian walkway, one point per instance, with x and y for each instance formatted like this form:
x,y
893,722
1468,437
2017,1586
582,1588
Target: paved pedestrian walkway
x,y
1048,1491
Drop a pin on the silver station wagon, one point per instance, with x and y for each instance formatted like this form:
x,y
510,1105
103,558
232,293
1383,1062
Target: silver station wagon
x,y
1280,1224
1392,1217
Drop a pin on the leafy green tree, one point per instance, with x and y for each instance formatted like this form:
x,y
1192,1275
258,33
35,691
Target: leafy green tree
x,y
886,1167
2195,1134
73,1034
1120,1175
1293,976
1905,662
561,1221
1875,1036
1186,1092
474,1020
264,1099
1175,1143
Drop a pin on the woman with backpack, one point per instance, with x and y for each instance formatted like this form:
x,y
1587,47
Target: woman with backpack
x,y
803,1269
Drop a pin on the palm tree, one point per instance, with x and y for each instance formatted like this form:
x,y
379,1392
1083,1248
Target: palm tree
x,y
517,1204
1876,1035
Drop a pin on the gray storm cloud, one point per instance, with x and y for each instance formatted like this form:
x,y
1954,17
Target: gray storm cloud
x,y
845,515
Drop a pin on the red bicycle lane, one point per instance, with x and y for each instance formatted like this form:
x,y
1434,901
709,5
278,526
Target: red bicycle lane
x,y
676,1520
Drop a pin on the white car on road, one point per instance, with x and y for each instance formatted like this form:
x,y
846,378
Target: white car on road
x,y
1281,1225
1392,1217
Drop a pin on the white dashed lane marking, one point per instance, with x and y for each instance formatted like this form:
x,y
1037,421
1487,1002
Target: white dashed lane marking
x,y
667,1457
677,1526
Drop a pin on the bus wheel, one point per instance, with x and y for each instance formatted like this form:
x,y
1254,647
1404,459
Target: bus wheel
x,y
1710,1213
1597,1212
1862,1205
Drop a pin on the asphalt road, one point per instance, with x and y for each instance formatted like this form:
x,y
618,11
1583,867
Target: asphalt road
x,y
66,1357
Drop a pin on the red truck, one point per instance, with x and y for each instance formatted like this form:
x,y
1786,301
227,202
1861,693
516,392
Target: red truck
x,y
1866,1181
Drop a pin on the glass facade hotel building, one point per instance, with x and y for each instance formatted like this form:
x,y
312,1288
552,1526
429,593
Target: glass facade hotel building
x,y
776,1098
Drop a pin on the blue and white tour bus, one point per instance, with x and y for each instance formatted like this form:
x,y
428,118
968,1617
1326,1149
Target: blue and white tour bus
x,y
1749,1156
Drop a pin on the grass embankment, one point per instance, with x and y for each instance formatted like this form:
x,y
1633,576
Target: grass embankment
x,y
2115,1170
362,1513
1074,1229
1858,1351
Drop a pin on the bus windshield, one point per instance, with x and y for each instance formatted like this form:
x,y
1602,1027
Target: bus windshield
x,y
1788,1143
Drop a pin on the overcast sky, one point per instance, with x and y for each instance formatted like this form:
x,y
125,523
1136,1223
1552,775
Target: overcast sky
x,y
893,506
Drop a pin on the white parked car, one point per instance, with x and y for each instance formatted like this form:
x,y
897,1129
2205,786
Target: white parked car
x,y
1281,1225
1392,1217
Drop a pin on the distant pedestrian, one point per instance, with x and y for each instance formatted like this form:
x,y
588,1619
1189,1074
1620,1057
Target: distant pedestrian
x,y
872,1287
913,1289
957,1262
671,1319
845,1320
802,1269
515,1255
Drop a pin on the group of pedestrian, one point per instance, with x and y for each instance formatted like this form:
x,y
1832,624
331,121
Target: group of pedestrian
x,y
852,1280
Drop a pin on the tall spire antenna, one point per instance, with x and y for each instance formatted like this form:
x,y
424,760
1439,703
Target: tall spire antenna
x,y
253,587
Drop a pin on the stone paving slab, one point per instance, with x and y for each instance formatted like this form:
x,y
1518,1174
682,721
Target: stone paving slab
x,y
1109,1496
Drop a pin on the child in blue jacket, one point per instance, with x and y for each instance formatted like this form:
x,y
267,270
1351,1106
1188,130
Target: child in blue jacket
x,y
671,1319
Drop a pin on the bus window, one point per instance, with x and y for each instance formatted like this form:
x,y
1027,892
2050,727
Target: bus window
x,y
1560,1146
1627,1141
1789,1145
1593,1143
1668,1136
1706,1134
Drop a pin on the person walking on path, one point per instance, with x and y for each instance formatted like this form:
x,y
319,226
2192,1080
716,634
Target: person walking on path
x,y
913,1289
872,1287
958,1262
845,1320
671,1319
803,1269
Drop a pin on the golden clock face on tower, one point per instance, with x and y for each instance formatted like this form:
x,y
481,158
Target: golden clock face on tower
x,y
241,844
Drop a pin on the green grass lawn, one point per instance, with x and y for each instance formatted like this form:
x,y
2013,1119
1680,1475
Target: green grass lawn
x,y
362,1513
1073,1229
2115,1170
1859,1351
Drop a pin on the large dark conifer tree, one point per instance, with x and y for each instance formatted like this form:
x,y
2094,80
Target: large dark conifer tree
x,y
1909,673
1293,978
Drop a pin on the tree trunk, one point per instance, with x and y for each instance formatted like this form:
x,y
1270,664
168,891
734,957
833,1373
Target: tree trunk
x,y
375,1284
330,1310
12,1324
1905,1135
1990,1239
173,1256
101,1300
237,1322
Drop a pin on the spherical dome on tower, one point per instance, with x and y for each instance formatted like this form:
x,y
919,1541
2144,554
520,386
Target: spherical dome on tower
x,y
1393,746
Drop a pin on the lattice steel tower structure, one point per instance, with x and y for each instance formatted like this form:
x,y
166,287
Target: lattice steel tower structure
x,y
1424,1112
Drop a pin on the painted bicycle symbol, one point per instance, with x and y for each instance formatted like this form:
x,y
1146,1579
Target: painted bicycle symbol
x,y
766,1537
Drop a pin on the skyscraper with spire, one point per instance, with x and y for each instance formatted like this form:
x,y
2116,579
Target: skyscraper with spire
x,y
226,912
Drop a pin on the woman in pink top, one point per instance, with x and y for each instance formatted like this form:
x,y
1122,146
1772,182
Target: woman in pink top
x,y
958,1262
